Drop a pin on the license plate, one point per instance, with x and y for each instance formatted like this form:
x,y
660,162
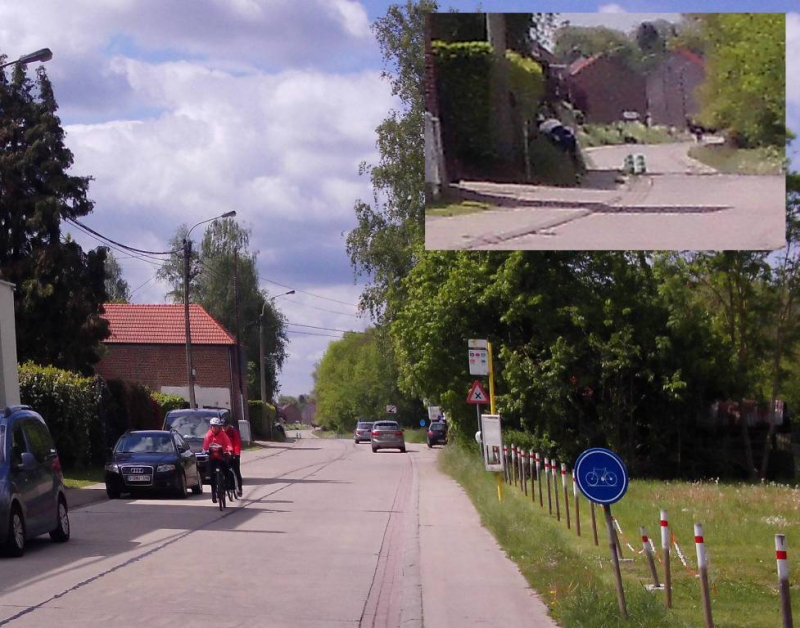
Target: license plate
x,y
137,478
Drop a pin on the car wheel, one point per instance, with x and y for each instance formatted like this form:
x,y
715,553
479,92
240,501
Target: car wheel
x,y
374,449
112,491
402,450
15,541
197,489
60,534
180,492
429,445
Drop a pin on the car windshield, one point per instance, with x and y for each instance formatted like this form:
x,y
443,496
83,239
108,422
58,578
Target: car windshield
x,y
146,443
386,426
364,426
190,426
437,426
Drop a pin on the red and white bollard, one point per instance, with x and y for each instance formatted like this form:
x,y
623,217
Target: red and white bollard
x,y
514,462
647,545
665,548
530,467
577,504
702,566
549,497
554,468
566,493
783,578
539,479
505,463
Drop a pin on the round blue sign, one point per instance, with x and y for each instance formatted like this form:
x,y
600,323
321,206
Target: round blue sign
x,y
422,422
601,475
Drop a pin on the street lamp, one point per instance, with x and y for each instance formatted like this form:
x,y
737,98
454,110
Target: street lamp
x,y
45,54
187,249
262,347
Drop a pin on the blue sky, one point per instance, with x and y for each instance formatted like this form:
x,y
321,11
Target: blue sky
x,y
185,109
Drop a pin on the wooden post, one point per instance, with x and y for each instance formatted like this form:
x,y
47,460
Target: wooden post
x,y
531,467
549,498
577,504
554,467
514,463
539,479
566,493
612,546
665,548
594,523
648,550
505,463
703,568
524,457
783,578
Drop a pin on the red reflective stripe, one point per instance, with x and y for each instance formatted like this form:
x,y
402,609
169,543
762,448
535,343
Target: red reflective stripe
x,y
698,539
664,523
780,555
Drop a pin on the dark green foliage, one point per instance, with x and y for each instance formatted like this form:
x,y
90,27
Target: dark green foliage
x,y
117,288
60,288
262,416
169,402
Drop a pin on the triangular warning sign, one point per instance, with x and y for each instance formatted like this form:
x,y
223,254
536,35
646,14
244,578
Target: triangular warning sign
x,y
477,394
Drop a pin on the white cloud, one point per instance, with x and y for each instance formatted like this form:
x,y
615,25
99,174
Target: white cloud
x,y
793,60
611,8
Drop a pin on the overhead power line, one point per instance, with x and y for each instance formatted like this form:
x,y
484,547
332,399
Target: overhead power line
x,y
124,246
344,331
311,333
314,307
318,296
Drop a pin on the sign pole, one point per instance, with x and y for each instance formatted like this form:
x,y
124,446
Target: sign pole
x,y
612,545
491,378
499,489
594,523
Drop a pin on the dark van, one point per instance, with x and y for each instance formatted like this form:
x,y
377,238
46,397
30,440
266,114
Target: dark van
x,y
193,426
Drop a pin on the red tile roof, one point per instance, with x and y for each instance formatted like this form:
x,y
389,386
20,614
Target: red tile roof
x,y
691,56
162,325
581,64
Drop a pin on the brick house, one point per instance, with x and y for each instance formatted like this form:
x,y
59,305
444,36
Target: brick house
x,y
147,346
603,87
671,88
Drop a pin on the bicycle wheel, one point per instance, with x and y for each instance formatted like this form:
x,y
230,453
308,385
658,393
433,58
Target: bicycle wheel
x,y
220,488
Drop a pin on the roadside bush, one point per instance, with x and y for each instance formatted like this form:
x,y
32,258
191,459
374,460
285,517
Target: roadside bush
x,y
128,406
68,403
169,402
617,133
260,422
527,441
550,165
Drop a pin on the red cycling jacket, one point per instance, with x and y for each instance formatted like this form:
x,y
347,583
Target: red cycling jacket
x,y
236,440
221,439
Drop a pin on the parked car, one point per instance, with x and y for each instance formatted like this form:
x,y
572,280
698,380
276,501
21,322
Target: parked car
x,y
193,425
152,460
387,435
437,433
32,496
362,431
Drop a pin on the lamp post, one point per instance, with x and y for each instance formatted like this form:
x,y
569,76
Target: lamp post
x,y
262,346
187,249
42,55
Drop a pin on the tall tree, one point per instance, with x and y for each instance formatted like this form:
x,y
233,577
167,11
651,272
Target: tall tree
x,y
60,289
117,288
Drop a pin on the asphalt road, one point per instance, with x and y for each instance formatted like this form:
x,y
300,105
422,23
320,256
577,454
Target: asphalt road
x,y
328,534
679,204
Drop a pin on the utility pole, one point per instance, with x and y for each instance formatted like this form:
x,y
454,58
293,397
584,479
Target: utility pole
x,y
238,326
187,249
501,108
262,350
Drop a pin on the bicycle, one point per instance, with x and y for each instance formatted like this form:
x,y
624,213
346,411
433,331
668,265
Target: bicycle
x,y
232,485
601,477
220,483
220,486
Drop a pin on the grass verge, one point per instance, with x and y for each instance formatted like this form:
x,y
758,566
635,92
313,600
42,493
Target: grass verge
x,y
575,579
612,134
416,435
79,478
728,160
456,209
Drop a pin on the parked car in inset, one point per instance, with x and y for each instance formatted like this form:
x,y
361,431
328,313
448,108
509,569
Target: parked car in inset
x,y
387,435
32,497
437,433
362,431
193,425
152,460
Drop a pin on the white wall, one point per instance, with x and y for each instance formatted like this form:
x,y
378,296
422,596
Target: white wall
x,y
210,397
9,376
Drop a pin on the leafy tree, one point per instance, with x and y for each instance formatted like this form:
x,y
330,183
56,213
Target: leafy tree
x,y
59,288
224,252
117,288
572,42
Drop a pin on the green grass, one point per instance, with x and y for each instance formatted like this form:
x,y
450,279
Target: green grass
x,y
329,434
456,209
574,577
78,478
415,434
728,160
612,134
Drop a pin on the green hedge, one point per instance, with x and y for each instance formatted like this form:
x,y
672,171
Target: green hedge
x,y
169,402
259,424
527,83
68,403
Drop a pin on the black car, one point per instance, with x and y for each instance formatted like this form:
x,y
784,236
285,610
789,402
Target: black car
x,y
32,496
437,433
152,460
193,425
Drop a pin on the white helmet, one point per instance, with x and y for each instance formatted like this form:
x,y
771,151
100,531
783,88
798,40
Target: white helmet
x,y
216,421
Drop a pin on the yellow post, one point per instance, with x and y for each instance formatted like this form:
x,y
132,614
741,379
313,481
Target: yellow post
x,y
499,488
491,378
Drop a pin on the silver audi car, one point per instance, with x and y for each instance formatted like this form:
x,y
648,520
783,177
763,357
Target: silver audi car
x,y
387,435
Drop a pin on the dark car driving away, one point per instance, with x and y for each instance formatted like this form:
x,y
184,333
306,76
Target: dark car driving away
x,y
32,497
193,425
437,433
152,460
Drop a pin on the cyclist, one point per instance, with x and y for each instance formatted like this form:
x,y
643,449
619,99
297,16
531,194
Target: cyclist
x,y
236,442
217,440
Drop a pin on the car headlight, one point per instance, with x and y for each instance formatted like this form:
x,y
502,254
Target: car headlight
x,y
165,467
112,468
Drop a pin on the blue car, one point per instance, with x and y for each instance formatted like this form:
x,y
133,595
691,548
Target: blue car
x,y
32,496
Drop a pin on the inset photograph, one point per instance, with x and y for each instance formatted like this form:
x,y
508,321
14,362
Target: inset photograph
x,y
605,131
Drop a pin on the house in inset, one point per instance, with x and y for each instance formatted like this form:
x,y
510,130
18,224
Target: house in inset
x,y
147,346
604,87
290,413
309,413
671,88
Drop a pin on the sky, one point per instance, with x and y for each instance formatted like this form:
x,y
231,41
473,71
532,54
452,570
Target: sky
x,y
184,110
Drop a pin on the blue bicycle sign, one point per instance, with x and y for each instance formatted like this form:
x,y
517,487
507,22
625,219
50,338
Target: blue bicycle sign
x,y
601,475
